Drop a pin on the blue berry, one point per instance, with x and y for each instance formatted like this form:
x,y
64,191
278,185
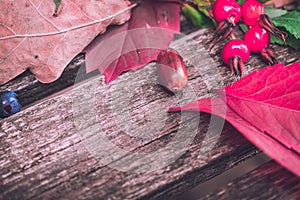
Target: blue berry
x,y
9,104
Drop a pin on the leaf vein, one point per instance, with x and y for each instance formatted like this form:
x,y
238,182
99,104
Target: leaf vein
x,y
43,16
11,30
9,53
70,29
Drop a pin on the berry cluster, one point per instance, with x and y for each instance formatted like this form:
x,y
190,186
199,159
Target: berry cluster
x,y
257,39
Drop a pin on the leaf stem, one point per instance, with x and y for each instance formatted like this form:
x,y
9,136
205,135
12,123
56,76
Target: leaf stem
x,y
232,36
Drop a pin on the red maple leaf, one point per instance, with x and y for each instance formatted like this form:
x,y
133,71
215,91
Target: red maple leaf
x,y
265,107
136,43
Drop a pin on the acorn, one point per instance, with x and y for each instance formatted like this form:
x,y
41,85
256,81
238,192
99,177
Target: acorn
x,y
171,70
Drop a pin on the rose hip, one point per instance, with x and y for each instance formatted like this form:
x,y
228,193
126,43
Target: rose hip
x,y
171,70
253,13
235,53
228,10
258,40
227,13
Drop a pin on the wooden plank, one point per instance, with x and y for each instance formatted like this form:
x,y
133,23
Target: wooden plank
x,y
39,161
270,181
54,149
214,184
29,89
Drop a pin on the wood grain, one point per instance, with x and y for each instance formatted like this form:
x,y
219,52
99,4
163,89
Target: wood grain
x,y
270,181
30,90
98,141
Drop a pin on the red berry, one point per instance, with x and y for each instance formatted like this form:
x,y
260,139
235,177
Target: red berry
x,y
227,13
251,11
235,48
228,10
257,38
235,53
171,70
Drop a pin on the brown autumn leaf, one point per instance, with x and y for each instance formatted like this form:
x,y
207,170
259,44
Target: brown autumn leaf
x,y
278,3
32,37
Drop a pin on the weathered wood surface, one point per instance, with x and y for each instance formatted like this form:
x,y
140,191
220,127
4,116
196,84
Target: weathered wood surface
x,y
56,149
269,181
29,89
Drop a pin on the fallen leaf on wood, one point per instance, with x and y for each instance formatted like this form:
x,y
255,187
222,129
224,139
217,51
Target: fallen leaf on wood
x,y
265,107
269,99
36,35
136,43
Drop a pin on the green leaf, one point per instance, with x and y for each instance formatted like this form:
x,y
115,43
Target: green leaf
x,y
207,19
290,21
244,27
273,12
290,41
276,40
202,3
241,2
197,18
57,4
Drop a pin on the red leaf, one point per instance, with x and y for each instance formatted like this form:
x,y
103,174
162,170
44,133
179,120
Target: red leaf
x,y
269,99
136,43
32,37
264,107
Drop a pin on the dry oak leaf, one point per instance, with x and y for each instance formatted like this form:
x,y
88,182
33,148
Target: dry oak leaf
x,y
32,38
